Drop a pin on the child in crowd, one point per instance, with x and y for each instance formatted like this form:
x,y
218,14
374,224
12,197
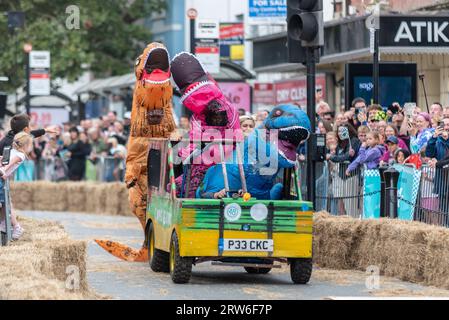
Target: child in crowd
x,y
401,155
22,146
362,131
369,153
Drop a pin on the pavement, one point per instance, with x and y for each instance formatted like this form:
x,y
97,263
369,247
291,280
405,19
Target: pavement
x,y
118,279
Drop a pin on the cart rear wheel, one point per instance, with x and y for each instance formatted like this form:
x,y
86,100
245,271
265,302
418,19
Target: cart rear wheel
x,y
253,270
300,270
180,267
157,259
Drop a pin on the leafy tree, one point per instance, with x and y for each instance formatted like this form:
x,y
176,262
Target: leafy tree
x,y
111,34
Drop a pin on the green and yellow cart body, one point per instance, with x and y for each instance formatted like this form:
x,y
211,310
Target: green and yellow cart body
x,y
211,230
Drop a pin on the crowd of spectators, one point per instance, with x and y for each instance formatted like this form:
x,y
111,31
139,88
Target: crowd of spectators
x,y
93,149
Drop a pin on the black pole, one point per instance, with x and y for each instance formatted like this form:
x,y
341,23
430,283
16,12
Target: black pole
x,y
382,191
421,77
192,36
311,105
376,67
391,177
27,97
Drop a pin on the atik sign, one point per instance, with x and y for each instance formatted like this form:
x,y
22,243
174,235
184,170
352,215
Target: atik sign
x,y
239,93
267,9
39,62
295,90
419,31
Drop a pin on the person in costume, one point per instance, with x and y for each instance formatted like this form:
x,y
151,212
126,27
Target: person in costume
x,y
271,147
151,117
214,117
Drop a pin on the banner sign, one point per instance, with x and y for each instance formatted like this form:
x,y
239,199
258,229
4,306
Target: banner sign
x,y
295,90
414,31
44,117
267,9
239,93
371,202
40,59
263,93
231,42
207,48
408,187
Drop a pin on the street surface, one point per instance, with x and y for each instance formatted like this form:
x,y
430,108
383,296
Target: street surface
x,y
117,279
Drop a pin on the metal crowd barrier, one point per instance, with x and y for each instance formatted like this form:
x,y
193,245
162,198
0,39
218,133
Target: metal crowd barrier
x,y
432,204
340,194
104,169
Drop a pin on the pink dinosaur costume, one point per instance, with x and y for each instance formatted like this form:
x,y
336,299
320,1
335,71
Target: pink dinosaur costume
x,y
214,117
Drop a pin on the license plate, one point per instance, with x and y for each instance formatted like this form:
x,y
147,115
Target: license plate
x,y
262,245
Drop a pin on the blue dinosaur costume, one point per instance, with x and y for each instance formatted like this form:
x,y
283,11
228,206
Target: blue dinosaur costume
x,y
264,155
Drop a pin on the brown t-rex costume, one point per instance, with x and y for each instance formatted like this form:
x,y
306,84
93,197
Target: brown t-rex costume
x,y
151,117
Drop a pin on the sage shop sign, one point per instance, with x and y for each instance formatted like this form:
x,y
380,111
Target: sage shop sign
x,y
414,31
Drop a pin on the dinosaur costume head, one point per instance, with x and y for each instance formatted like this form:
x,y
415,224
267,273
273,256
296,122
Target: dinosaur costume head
x,y
201,95
152,93
293,127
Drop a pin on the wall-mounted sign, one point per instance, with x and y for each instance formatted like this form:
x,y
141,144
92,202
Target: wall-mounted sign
x,y
295,90
419,31
231,42
239,93
263,93
266,10
43,117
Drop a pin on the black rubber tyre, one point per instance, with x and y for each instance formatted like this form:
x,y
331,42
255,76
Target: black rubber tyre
x,y
252,270
300,270
157,259
180,267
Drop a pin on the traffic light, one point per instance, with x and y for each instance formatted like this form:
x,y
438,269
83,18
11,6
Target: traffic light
x,y
305,22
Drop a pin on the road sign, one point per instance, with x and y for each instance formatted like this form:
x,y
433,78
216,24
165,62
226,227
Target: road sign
x,y
207,48
192,13
39,66
40,59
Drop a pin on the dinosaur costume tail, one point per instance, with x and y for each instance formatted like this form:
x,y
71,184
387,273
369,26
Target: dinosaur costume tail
x,y
124,252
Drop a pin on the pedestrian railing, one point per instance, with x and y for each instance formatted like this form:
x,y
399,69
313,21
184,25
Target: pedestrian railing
x,y
55,169
420,195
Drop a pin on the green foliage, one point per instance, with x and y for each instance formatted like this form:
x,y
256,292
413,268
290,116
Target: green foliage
x,y
110,36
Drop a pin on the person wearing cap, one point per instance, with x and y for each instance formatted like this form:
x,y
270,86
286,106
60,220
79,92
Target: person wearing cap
x,y
392,144
420,132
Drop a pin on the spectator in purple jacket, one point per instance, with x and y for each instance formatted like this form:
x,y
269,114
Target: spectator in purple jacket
x,y
370,153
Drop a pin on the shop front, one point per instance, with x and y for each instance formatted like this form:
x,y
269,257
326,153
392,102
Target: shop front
x,y
421,38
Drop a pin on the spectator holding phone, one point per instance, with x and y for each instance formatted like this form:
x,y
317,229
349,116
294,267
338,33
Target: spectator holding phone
x,y
420,132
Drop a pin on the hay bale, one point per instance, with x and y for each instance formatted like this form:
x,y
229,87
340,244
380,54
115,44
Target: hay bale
x,y
76,196
22,195
113,199
36,266
410,251
48,196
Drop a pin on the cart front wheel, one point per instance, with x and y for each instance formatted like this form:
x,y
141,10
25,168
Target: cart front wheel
x,y
180,267
300,270
158,259
252,270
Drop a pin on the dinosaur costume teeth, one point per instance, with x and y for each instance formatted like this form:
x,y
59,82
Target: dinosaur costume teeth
x,y
151,117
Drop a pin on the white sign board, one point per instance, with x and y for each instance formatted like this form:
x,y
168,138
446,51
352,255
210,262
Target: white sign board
x,y
40,59
44,117
39,82
207,29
